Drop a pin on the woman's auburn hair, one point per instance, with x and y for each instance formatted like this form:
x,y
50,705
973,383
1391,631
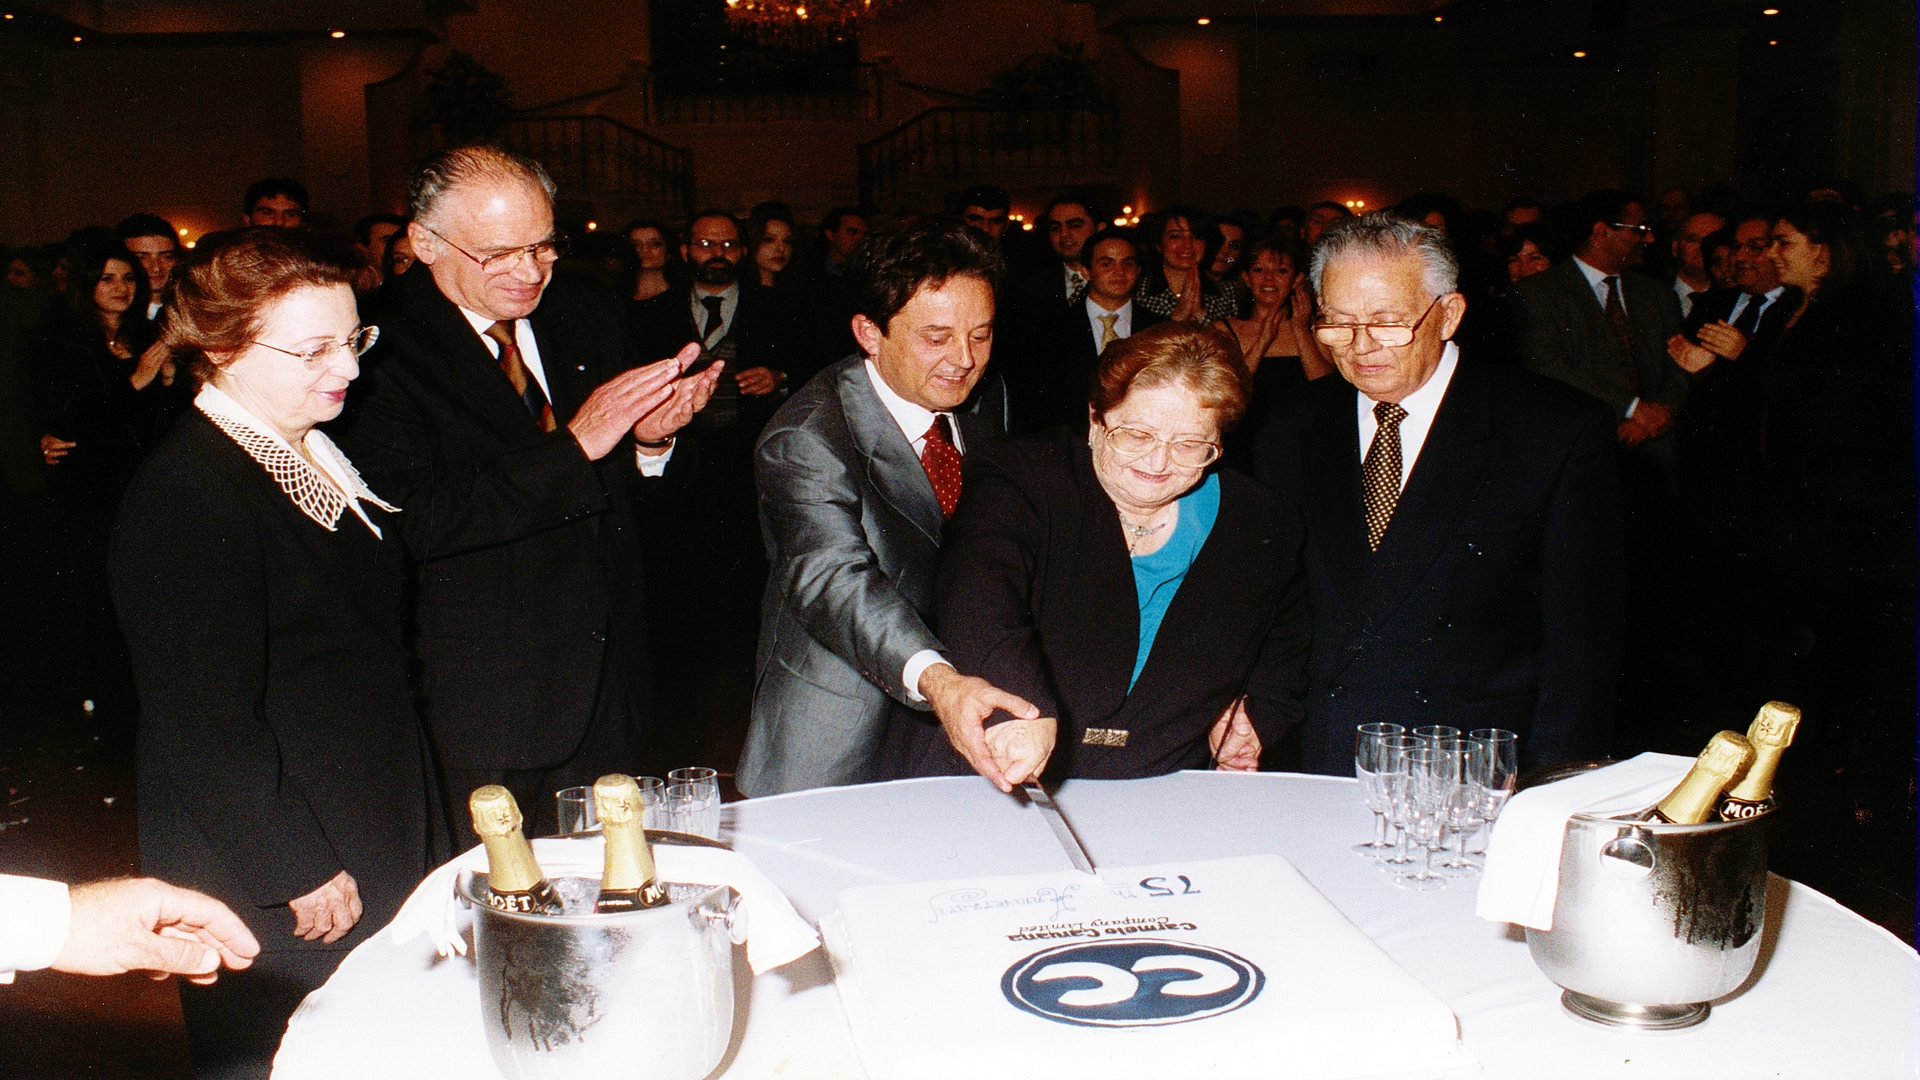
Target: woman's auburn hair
x,y
219,290
1203,360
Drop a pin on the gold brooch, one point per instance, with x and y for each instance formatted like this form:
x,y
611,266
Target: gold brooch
x,y
1100,736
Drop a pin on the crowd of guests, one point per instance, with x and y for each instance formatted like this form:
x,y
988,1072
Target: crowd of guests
x,y
355,524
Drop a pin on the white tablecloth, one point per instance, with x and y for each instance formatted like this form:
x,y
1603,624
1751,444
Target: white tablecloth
x,y
1835,996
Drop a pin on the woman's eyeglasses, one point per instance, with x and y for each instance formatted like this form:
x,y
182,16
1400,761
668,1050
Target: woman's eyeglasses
x,y
357,343
1130,443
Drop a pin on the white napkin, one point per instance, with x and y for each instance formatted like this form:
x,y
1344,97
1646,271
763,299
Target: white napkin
x,y
1522,877
776,934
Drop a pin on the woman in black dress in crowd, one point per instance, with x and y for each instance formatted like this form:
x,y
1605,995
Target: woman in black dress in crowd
x,y
281,766
1277,340
1152,605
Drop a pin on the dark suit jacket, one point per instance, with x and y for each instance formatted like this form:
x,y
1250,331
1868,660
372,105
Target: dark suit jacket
x,y
1561,331
1494,599
1036,595
526,558
853,531
1723,432
1049,365
767,329
278,739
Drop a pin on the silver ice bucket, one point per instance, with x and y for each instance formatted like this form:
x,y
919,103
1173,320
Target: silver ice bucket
x,y
1654,921
646,994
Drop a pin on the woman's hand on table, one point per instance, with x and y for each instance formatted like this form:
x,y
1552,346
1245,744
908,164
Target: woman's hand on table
x,y
1020,748
1235,745
328,912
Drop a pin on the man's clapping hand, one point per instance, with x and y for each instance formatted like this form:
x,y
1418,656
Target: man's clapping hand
x,y
617,405
690,395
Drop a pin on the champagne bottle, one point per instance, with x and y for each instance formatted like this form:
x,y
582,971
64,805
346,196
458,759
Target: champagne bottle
x,y
514,880
1771,734
1692,802
629,881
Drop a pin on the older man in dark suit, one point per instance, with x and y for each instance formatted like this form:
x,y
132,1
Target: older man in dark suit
x,y
858,473
507,416
1463,545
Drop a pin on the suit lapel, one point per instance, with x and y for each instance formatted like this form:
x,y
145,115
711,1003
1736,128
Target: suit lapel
x,y
892,467
467,367
564,360
1459,448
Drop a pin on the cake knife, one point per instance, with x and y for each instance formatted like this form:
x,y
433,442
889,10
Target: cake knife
x,y
1062,831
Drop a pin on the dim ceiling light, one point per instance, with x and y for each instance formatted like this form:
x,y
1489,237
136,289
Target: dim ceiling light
x,y
592,225
1119,221
1026,226
189,244
1770,42
1203,20
338,34
1126,209
1439,18
1769,11
76,37
1579,53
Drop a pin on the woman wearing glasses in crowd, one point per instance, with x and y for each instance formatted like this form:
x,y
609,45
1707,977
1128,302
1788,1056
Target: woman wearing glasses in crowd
x,y
1150,603
281,766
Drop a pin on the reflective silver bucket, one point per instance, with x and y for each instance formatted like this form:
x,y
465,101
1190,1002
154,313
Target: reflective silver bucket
x,y
1654,921
646,994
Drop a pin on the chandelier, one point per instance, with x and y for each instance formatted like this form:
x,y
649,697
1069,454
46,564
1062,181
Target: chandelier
x,y
799,22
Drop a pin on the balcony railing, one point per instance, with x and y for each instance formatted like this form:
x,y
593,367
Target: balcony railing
x,y
600,157
842,94
953,145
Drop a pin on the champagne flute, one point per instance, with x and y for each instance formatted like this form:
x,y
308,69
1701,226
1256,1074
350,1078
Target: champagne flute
x,y
1395,782
1370,761
1463,806
1432,776
1430,733
1500,771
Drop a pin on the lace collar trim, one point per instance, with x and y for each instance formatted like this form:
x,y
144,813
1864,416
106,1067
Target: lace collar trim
x,y
321,493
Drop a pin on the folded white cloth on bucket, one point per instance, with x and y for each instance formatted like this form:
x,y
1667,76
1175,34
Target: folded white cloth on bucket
x,y
776,934
1522,877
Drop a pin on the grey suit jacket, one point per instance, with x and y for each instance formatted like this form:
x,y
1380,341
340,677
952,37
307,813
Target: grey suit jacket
x,y
1562,332
852,530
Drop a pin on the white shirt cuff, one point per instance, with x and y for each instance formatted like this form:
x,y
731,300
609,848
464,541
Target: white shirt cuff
x,y
917,665
1632,405
652,465
34,928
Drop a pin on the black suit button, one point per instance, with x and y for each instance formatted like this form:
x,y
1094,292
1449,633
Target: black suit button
x,y
599,635
1334,691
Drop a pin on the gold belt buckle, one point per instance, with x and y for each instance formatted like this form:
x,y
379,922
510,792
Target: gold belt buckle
x,y
1100,736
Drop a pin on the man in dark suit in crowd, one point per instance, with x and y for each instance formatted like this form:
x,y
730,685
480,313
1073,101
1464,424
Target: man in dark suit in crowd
x,y
506,416
1070,221
858,473
1591,325
278,202
827,295
1463,546
1048,374
1690,275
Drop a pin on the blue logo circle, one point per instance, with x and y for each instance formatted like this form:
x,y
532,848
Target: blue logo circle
x,y
1139,982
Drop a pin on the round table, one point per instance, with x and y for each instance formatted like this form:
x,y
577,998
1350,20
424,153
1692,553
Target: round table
x,y
1833,995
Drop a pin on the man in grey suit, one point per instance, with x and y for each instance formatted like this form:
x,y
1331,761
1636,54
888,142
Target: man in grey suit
x,y
858,473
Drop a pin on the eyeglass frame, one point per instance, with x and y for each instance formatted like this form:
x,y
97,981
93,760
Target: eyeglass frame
x,y
1645,231
1110,432
723,245
313,358
1353,329
555,243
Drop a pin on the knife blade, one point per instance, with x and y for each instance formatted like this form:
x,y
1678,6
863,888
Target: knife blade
x,y
1062,831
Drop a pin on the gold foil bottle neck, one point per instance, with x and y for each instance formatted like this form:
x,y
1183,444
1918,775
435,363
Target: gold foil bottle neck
x,y
630,880
1771,733
1692,802
511,867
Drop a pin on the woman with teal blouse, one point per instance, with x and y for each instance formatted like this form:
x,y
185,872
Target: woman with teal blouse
x,y
1148,602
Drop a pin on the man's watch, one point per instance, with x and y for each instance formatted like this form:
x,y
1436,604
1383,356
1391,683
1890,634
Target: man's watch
x,y
661,445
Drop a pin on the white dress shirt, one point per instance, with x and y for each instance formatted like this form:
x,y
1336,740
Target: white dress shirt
x,y
914,422
1766,301
650,465
729,303
1598,280
34,918
1421,405
1122,323
1686,293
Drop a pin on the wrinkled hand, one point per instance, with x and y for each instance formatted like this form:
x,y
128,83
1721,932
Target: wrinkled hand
x,y
144,924
758,381
963,703
1020,748
53,448
1693,359
690,395
616,405
1235,745
328,912
1723,340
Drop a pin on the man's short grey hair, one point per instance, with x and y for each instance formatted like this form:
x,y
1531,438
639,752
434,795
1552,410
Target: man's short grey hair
x,y
1381,235
459,166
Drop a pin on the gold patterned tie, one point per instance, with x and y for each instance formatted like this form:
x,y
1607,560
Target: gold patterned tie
x,y
1107,336
514,366
1380,472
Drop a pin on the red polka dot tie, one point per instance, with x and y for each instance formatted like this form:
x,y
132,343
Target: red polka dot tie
x,y
942,463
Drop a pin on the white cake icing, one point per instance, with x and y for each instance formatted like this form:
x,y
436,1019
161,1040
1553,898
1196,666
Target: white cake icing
x,y
1228,968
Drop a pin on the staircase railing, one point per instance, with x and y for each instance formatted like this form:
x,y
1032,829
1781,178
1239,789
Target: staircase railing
x,y
959,144
598,156
839,93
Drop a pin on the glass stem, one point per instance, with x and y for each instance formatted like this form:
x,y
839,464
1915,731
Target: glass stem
x,y
1379,829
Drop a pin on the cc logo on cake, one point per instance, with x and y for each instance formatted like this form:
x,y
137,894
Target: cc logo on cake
x,y
1139,982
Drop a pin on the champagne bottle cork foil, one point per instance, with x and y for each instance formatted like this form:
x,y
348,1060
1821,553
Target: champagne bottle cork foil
x,y
1727,753
1771,733
496,818
616,799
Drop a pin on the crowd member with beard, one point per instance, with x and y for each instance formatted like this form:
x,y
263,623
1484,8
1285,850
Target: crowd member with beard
x,y
708,524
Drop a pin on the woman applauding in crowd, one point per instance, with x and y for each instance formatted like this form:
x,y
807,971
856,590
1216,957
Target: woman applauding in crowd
x,y
1106,574
281,766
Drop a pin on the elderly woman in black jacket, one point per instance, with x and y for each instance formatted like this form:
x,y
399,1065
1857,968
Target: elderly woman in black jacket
x,y
1150,606
281,766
